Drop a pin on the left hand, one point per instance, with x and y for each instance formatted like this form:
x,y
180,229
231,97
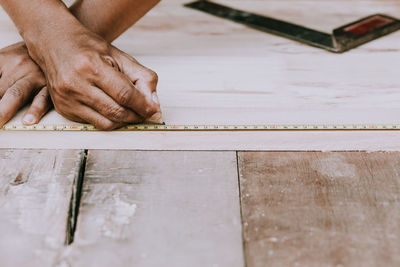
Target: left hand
x,y
21,81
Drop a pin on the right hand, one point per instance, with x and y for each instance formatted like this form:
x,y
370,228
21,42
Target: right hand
x,y
91,81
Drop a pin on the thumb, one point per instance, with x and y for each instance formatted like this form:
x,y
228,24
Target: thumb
x,y
41,104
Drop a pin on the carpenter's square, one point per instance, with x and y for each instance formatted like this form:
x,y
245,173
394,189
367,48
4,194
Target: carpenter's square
x,y
342,39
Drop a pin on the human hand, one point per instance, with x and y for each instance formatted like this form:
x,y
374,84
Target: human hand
x,y
21,81
91,81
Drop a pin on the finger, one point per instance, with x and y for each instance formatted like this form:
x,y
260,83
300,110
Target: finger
x,y
145,80
96,119
6,81
121,89
106,106
15,98
41,103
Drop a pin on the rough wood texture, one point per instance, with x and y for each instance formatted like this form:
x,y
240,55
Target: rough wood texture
x,y
158,209
321,209
215,71
35,194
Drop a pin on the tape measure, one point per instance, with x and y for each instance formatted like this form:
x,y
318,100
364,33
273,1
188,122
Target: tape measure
x,y
260,127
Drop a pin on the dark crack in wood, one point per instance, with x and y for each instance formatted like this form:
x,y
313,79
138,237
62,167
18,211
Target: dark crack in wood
x,y
75,199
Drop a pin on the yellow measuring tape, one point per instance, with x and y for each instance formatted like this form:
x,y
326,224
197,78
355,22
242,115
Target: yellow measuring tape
x,y
261,127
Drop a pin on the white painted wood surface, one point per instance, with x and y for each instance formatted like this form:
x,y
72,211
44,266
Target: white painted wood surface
x,y
158,209
294,141
35,193
215,71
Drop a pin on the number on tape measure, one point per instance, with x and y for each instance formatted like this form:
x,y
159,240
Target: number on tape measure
x,y
157,127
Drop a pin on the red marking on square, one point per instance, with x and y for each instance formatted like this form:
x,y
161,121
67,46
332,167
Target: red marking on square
x,y
368,25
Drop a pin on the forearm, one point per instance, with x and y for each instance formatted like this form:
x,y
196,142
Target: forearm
x,y
31,16
40,23
109,19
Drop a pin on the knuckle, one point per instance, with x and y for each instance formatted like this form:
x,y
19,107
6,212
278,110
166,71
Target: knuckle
x,y
111,61
43,97
20,60
59,109
16,91
116,113
101,46
83,63
151,76
41,102
149,111
36,79
64,84
105,125
124,96
39,79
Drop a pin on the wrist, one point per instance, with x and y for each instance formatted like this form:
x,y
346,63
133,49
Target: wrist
x,y
44,32
50,38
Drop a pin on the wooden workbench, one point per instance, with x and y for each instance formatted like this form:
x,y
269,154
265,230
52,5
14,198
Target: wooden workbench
x,y
216,199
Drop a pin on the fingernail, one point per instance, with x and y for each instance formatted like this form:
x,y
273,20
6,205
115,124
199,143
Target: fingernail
x,y
156,118
155,98
29,119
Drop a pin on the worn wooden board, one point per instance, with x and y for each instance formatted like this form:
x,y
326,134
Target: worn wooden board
x,y
320,209
222,141
157,209
215,71
35,195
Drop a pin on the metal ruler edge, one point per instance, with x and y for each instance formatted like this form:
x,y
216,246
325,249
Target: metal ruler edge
x,y
256,127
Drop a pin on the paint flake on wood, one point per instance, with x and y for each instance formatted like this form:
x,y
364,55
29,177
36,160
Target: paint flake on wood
x,y
321,209
35,194
154,208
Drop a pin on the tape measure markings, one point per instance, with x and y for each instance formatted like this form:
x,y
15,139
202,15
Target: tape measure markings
x,y
258,127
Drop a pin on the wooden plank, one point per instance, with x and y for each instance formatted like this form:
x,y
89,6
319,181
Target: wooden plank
x,y
321,209
158,209
222,141
35,195
226,73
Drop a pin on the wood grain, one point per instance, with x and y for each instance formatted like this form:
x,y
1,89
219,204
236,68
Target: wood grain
x,y
215,71
321,209
35,195
158,209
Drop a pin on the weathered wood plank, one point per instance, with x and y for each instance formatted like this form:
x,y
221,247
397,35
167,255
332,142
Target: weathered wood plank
x,y
35,194
158,209
321,209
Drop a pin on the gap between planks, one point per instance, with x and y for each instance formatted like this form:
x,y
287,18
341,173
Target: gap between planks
x,y
240,206
76,195
186,210
73,211
35,199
